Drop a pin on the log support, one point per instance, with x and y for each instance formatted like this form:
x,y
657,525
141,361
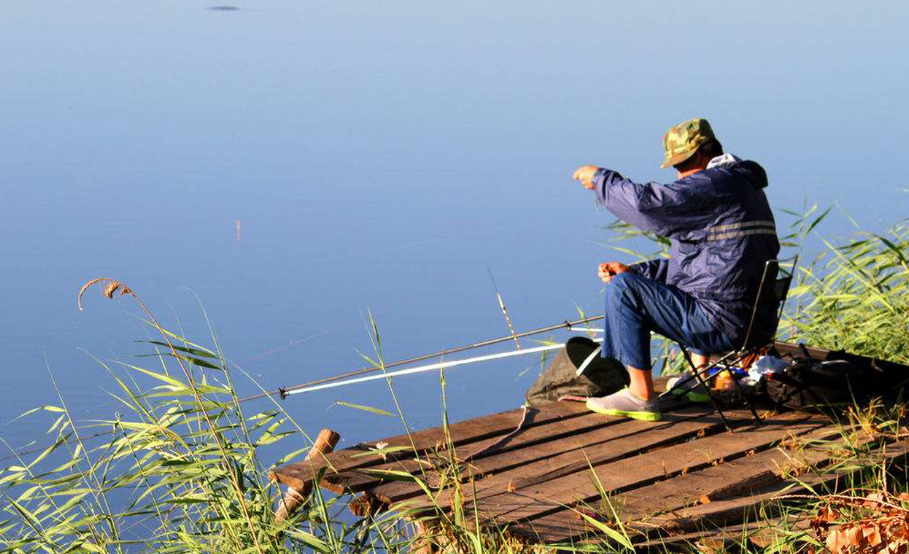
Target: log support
x,y
293,498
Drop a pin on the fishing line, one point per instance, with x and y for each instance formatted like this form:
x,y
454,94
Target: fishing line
x,y
590,358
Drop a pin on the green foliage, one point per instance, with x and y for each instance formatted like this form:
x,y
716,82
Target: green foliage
x,y
855,296
154,478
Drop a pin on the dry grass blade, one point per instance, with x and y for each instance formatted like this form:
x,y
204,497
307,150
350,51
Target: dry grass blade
x,y
108,291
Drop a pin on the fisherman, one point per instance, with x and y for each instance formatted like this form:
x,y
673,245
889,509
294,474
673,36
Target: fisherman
x,y
722,233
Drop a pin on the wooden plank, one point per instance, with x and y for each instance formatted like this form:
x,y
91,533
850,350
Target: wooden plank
x,y
762,534
501,492
766,502
540,499
471,430
736,477
613,443
530,445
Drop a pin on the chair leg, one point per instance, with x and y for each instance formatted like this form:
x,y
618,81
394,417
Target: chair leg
x,y
701,382
703,370
728,366
757,418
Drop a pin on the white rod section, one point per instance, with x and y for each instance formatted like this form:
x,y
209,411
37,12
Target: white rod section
x,y
430,367
585,330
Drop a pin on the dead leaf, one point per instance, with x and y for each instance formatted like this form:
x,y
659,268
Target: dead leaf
x,y
841,539
872,535
826,515
874,499
854,536
710,546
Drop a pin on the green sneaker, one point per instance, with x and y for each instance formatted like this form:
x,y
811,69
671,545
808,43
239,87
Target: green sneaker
x,y
688,386
626,404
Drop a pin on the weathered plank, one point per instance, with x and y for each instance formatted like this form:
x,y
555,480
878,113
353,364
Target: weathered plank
x,y
740,476
759,504
535,441
763,501
762,534
539,499
464,432
617,442
555,451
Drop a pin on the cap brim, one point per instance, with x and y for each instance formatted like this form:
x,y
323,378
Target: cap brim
x,y
677,159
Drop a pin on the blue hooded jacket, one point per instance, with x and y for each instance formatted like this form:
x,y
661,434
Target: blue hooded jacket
x,y
721,231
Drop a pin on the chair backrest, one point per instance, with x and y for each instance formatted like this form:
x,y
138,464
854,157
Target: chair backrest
x,y
772,293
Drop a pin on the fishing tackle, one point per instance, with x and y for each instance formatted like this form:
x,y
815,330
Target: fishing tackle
x,y
284,392
504,309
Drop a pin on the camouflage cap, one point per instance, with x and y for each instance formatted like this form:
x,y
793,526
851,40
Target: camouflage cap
x,y
683,140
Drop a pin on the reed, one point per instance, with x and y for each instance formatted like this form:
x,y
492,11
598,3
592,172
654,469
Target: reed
x,y
855,296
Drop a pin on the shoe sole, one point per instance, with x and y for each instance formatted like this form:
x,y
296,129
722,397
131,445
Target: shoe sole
x,y
698,397
642,416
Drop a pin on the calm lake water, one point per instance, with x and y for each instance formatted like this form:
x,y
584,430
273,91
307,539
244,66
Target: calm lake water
x,y
380,156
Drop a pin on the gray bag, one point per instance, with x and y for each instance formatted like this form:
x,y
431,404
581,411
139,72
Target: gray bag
x,y
601,376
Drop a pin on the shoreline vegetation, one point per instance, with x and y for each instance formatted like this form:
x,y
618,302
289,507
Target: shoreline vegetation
x,y
179,468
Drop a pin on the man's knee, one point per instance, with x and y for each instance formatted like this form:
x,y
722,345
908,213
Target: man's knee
x,y
622,282
619,287
630,289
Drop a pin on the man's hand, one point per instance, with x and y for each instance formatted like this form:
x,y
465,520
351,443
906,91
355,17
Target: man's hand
x,y
584,174
608,270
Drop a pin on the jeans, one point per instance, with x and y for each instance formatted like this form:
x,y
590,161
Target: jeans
x,y
636,305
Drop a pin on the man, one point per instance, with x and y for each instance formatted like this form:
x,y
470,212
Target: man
x,y
722,232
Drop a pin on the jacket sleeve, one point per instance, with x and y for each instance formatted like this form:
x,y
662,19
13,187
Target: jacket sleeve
x,y
652,269
668,210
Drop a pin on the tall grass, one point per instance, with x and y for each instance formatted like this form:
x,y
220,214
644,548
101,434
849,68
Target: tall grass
x,y
177,470
855,296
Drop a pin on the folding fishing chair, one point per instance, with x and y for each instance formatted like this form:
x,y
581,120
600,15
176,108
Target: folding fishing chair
x,y
772,291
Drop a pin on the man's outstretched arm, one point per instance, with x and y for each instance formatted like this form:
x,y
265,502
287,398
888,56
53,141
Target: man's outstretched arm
x,y
663,209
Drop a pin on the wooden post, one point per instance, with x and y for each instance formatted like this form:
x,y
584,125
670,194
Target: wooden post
x,y
325,443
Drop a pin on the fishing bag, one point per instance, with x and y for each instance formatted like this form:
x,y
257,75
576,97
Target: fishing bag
x,y
601,376
809,383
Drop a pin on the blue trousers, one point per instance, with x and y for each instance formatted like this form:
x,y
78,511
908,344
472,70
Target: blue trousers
x,y
636,305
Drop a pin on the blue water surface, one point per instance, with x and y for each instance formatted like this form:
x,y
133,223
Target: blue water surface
x,y
379,157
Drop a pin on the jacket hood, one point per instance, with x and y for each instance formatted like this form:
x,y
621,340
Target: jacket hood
x,y
753,172
746,168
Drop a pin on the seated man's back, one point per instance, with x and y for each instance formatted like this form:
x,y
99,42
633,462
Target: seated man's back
x,y
721,230
722,233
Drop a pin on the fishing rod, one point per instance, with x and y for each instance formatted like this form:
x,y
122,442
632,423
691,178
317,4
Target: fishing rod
x,y
284,392
430,367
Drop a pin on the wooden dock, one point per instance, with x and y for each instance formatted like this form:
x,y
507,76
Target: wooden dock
x,y
568,472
